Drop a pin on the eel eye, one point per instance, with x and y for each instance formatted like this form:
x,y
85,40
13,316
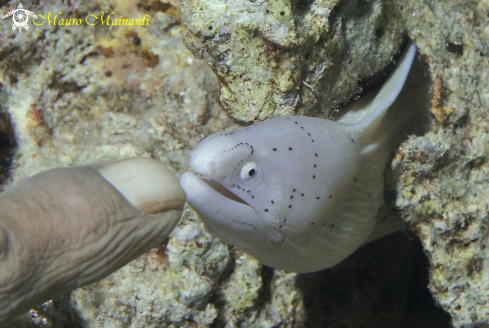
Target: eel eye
x,y
249,170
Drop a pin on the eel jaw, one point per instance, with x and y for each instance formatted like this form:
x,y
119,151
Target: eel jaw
x,y
223,190
224,217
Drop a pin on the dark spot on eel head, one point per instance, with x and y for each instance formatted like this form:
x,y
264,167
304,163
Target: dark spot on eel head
x,y
291,196
316,154
272,202
317,197
266,210
290,148
274,149
302,194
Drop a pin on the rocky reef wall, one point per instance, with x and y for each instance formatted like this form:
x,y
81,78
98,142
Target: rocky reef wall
x,y
78,94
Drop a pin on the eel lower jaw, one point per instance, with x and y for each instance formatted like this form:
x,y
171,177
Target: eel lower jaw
x,y
229,220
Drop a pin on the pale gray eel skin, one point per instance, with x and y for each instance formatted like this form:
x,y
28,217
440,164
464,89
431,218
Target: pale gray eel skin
x,y
301,193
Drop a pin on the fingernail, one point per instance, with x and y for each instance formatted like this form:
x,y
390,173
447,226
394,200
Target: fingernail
x,y
146,184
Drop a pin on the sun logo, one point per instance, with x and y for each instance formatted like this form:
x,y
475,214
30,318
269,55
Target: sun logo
x,y
20,18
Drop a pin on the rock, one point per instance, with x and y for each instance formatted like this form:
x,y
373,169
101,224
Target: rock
x,y
278,58
440,178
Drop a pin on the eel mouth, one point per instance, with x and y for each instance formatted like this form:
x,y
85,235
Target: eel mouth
x,y
206,163
208,195
221,189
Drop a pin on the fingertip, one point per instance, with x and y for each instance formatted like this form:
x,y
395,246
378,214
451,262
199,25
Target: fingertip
x,y
146,184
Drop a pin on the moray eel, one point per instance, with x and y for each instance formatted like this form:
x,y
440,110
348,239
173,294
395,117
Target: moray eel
x,y
302,193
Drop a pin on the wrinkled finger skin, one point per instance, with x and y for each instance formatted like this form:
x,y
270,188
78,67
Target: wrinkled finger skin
x,y
66,228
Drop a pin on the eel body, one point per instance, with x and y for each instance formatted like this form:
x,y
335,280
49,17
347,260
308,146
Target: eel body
x,y
302,193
